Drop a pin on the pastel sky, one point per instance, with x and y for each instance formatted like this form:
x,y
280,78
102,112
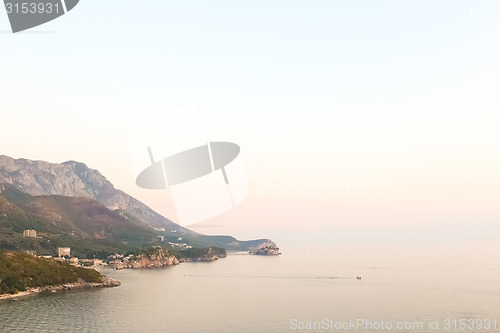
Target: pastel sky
x,y
370,115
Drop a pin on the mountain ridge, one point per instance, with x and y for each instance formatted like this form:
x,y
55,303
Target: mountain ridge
x,y
40,179
76,179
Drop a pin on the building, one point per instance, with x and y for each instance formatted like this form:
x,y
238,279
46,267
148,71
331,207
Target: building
x,y
63,251
29,233
91,262
97,262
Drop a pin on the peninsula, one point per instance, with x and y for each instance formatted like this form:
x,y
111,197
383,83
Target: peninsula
x,y
22,274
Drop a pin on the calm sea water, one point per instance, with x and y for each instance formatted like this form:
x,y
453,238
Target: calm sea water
x,y
243,293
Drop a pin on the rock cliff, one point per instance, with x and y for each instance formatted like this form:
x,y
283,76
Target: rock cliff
x,y
147,259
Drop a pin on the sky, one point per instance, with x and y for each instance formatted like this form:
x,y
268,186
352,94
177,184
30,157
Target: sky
x,y
378,117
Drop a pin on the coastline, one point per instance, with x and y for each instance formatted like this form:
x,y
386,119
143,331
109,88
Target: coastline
x,y
160,257
107,282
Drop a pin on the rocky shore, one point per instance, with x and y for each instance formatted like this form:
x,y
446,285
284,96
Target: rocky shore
x,y
159,258
107,282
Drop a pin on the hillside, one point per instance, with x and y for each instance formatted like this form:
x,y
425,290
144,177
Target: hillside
x,y
82,217
89,228
20,271
74,179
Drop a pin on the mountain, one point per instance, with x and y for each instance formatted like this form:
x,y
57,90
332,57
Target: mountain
x,y
74,179
81,205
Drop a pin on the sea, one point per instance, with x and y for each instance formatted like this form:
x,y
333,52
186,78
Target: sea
x,y
310,287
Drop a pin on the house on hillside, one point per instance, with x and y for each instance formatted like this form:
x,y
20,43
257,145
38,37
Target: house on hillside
x,y
29,233
63,251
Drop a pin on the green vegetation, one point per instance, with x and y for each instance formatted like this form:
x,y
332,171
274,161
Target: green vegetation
x,y
20,271
197,252
50,238
202,241
192,253
89,228
153,251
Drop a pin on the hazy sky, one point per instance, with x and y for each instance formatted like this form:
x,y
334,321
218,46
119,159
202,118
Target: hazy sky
x,y
350,114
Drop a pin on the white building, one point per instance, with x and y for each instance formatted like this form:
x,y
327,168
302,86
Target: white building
x,y
63,251
29,233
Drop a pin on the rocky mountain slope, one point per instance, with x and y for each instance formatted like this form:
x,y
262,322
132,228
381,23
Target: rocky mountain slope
x,y
74,179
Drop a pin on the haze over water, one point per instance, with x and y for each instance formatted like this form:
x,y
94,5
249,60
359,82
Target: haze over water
x,y
242,293
376,119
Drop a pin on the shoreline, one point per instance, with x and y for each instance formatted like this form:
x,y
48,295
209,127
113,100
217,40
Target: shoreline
x,y
107,282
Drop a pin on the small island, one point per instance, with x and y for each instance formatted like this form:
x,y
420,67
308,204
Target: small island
x,y
266,249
